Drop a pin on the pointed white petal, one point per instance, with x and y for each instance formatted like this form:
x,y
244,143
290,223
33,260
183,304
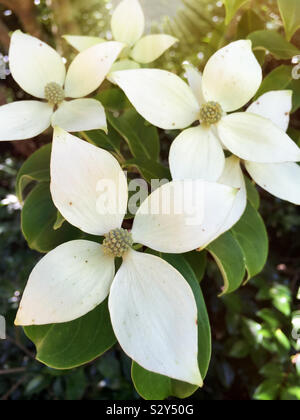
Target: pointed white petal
x,y
279,179
276,106
233,176
80,115
161,97
90,67
183,215
88,185
151,47
81,43
128,22
66,284
232,76
196,154
154,316
33,64
257,139
195,81
24,120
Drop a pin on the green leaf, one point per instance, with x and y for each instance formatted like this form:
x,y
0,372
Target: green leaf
x,y
267,391
239,350
250,22
232,6
152,386
149,169
273,42
72,344
290,13
251,234
280,79
36,168
60,220
198,262
39,216
141,137
229,257
113,99
110,142
252,193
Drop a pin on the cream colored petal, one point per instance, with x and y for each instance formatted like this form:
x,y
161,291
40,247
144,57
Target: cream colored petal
x,y
233,176
87,184
183,215
232,76
154,316
257,139
80,115
276,106
33,64
82,43
24,120
161,97
128,22
195,81
66,284
196,154
151,47
90,67
279,179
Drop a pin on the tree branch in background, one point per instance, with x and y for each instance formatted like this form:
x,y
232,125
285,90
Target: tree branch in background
x,y
25,11
4,36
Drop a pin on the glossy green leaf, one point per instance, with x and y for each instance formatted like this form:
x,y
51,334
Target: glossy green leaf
x,y
290,13
141,137
228,255
72,344
35,168
273,42
38,219
152,386
251,234
280,79
232,6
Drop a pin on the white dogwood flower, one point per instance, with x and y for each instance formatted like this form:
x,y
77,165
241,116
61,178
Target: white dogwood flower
x,y
231,78
128,26
40,71
152,307
280,179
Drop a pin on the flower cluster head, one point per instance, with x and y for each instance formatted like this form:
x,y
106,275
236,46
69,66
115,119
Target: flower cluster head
x,y
256,137
40,71
152,307
128,26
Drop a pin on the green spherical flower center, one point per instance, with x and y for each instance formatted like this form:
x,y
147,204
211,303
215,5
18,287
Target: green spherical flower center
x,y
54,93
211,113
117,242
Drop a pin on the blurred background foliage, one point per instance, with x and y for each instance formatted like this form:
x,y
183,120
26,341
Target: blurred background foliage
x,y
255,354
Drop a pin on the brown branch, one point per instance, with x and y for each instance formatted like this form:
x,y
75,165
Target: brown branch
x,y
25,11
12,371
4,36
13,389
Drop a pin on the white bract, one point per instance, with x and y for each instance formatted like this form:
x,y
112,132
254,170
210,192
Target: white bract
x,y
231,78
40,71
128,26
280,179
152,307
